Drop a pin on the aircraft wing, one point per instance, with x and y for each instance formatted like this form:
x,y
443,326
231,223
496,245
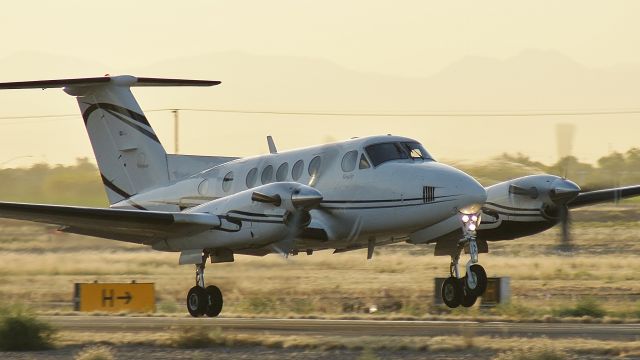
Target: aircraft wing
x,y
137,226
604,195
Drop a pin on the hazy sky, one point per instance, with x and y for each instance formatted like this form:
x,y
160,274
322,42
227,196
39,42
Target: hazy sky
x,y
411,39
402,37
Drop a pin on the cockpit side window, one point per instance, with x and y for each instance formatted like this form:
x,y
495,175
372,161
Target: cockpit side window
x,y
416,151
380,153
364,163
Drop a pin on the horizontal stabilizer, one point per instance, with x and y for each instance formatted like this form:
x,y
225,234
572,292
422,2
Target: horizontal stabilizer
x,y
122,80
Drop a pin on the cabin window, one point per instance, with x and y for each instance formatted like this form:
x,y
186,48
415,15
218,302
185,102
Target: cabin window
x,y
296,172
203,187
227,181
349,161
314,166
364,163
267,175
281,174
252,176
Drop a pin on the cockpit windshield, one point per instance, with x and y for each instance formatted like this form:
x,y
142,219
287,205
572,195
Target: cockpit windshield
x,y
383,152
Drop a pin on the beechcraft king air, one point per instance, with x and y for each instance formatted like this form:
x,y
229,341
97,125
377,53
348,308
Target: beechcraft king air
x,y
354,194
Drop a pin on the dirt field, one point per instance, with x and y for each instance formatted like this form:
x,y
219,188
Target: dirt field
x,y
39,267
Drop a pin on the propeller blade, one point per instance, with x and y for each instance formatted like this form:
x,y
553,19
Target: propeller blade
x,y
275,200
565,223
296,222
306,198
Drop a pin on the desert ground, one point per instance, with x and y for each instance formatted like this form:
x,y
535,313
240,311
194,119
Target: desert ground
x,y
40,266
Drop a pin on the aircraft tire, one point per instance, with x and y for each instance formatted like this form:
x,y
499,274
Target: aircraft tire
x,y
197,301
468,299
215,301
481,280
452,292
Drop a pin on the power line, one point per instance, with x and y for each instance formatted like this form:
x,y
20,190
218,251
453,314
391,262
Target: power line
x,y
355,114
35,116
424,114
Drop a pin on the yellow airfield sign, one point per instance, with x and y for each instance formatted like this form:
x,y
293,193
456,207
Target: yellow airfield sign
x,y
116,297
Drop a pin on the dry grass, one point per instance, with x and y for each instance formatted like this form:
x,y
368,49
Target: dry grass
x,y
398,281
95,352
202,338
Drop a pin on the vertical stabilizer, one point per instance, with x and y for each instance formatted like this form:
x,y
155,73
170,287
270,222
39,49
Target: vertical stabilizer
x,y
129,155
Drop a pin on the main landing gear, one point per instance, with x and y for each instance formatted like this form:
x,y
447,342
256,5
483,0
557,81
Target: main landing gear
x,y
203,300
465,290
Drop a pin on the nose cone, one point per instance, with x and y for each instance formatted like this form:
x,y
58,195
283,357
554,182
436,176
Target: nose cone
x,y
563,190
469,194
473,195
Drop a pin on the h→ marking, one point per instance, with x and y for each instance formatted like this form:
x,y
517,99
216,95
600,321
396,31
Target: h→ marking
x,y
106,298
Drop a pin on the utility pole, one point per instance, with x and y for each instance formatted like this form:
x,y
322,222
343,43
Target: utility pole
x,y
176,131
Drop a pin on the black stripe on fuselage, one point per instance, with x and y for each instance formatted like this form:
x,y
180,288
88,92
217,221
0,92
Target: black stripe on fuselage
x,y
118,112
137,206
382,206
114,188
537,212
263,221
246,213
115,108
381,200
510,208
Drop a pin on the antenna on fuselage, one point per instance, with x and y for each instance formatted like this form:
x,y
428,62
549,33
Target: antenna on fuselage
x,y
272,145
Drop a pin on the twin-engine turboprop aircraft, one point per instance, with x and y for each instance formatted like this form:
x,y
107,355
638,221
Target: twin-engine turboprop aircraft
x,y
354,194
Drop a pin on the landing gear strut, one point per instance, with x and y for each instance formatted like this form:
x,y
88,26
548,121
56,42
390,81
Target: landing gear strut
x,y
457,290
204,301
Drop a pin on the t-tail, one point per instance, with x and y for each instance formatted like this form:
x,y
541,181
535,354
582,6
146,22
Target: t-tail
x,y
130,156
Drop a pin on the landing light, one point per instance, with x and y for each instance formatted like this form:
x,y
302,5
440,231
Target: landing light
x,y
470,222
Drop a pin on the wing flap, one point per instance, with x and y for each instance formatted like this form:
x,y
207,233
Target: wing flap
x,y
117,224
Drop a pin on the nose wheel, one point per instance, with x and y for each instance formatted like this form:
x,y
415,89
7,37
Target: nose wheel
x,y
457,290
203,300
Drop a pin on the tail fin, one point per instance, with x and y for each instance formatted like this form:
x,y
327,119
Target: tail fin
x,y
129,154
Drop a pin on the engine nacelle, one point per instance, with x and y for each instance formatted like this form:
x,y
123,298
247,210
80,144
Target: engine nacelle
x,y
252,218
524,206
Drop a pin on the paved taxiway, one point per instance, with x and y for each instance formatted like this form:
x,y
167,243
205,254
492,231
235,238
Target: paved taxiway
x,y
621,332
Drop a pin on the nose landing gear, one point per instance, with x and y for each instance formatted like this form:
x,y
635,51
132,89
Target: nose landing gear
x,y
457,290
204,301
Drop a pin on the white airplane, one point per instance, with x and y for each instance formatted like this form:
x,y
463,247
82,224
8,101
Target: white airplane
x,y
354,194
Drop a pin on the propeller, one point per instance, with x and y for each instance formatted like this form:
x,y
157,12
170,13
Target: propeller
x,y
298,204
565,133
555,194
563,192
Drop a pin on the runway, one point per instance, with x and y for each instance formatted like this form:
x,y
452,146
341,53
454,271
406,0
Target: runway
x,y
620,332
